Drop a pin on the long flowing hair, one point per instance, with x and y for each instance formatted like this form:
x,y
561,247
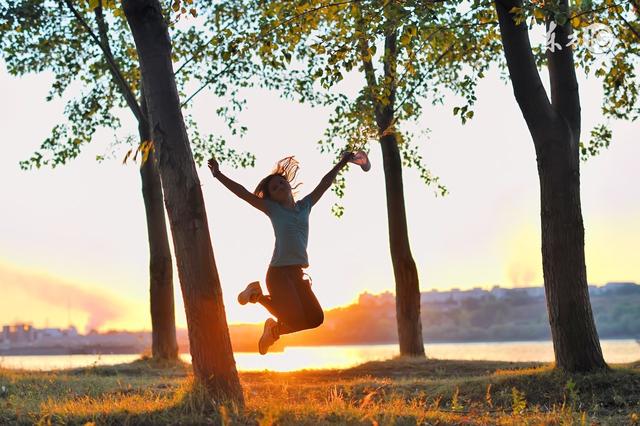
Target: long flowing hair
x,y
287,168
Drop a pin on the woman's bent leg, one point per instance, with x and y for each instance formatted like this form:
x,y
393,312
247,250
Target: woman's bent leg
x,y
291,300
310,305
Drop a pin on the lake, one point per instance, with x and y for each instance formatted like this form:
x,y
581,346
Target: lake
x,y
314,357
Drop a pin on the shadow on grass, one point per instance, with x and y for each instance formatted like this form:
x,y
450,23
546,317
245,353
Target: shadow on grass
x,y
145,366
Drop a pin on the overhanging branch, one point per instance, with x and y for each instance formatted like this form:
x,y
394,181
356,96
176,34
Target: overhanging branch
x,y
629,25
258,39
527,85
421,80
113,67
367,65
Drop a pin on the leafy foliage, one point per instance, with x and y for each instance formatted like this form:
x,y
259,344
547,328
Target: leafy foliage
x,y
607,44
405,51
617,66
87,44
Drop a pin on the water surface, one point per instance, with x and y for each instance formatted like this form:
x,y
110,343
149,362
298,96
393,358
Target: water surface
x,y
314,357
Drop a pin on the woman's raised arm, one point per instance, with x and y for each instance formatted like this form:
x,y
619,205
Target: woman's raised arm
x,y
327,180
235,187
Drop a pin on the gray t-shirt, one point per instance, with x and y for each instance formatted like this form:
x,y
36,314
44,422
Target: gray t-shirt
x,y
291,229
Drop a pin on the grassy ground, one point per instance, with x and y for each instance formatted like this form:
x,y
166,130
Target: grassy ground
x,y
400,391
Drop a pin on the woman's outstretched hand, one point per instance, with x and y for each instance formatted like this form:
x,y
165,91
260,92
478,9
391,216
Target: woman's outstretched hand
x,y
214,166
346,156
359,157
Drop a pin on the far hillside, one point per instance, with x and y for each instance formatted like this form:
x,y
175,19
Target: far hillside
x,y
476,315
499,314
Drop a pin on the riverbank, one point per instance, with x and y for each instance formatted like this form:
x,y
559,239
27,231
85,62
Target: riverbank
x,y
398,391
342,357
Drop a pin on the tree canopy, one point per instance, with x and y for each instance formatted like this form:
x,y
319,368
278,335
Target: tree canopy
x,y
606,45
83,42
306,49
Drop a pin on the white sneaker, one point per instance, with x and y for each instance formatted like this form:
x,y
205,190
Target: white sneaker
x,y
250,294
268,336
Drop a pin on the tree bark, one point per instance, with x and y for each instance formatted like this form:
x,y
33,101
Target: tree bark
x,y
575,338
555,129
210,345
163,328
164,344
404,267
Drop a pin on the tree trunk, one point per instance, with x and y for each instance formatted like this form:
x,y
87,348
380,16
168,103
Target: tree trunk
x,y
404,268
575,339
555,129
163,324
210,346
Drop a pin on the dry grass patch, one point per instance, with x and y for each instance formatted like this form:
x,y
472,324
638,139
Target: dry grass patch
x,y
399,392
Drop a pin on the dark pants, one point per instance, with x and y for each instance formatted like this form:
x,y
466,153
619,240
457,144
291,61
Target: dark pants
x,y
291,300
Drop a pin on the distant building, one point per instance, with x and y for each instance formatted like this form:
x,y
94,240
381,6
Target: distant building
x,y
24,339
621,287
478,292
18,333
21,334
595,290
499,292
534,292
50,333
381,299
434,296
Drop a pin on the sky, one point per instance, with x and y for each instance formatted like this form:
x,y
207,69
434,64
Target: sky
x,y
73,243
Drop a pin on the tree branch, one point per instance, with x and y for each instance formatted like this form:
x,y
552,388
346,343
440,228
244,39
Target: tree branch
x,y
592,11
370,74
113,67
206,83
425,41
103,30
390,62
306,12
195,55
629,25
367,65
527,85
565,96
419,83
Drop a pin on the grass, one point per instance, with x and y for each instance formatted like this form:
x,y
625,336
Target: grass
x,y
400,391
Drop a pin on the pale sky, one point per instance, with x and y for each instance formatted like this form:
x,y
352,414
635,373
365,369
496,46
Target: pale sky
x,y
73,240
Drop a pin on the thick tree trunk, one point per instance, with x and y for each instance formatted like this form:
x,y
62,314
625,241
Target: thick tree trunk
x,y
163,324
404,268
575,339
213,362
555,129
163,328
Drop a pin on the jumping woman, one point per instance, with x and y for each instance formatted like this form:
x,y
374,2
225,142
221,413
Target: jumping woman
x,y
290,297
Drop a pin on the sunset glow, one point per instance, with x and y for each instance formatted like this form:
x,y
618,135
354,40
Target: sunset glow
x,y
74,238
309,212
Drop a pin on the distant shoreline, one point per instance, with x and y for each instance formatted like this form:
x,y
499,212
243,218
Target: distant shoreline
x,y
130,351
454,317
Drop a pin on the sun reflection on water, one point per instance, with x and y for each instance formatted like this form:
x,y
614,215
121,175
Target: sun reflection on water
x,y
314,357
323,357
